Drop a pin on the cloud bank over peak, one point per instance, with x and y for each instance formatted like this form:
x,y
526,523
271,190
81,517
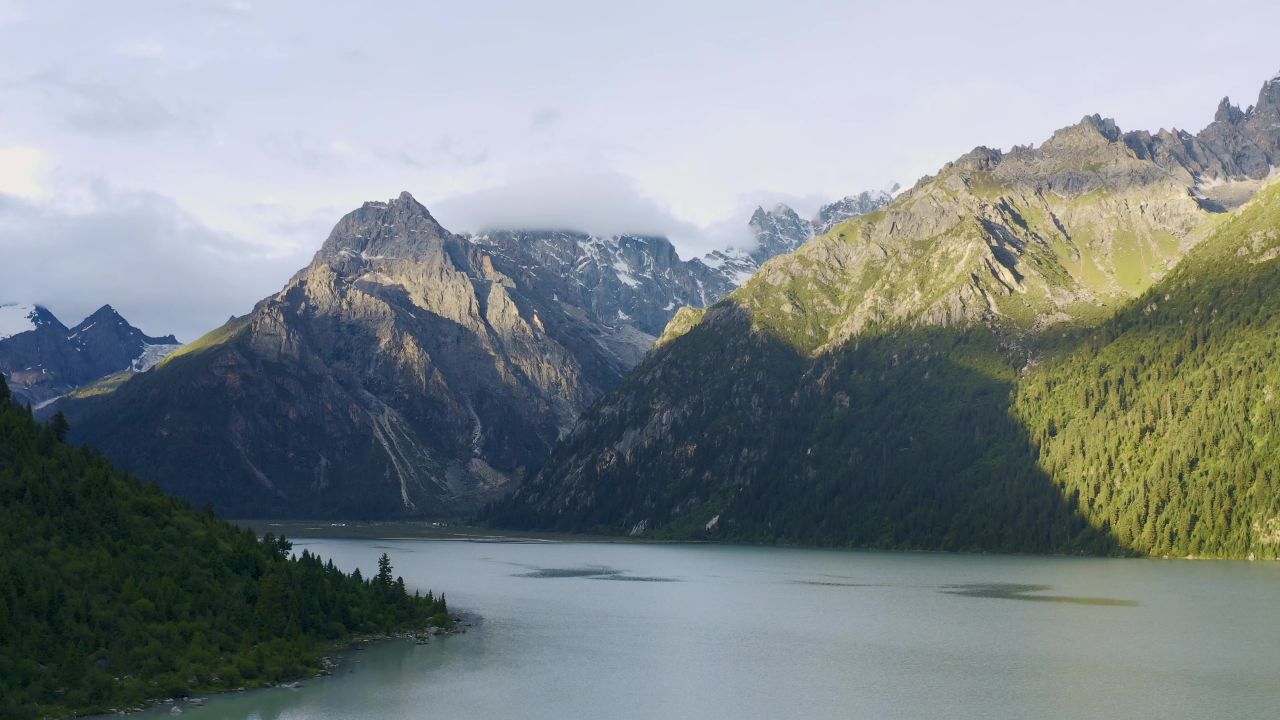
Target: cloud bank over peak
x,y
600,203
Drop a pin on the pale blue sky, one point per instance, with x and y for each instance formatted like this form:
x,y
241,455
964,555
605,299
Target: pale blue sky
x,y
180,160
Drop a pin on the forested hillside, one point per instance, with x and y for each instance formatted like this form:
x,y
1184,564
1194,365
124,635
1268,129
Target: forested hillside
x,y
1165,423
112,593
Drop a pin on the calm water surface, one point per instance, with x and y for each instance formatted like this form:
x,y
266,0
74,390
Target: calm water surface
x,y
586,630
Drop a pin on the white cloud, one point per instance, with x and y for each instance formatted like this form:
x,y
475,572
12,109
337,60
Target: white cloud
x,y
602,203
162,269
665,127
141,50
9,13
22,171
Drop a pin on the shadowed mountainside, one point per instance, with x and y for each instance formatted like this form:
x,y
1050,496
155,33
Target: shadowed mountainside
x,y
919,375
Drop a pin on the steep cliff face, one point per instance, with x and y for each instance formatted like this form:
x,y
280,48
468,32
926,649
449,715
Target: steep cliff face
x,y
401,372
859,390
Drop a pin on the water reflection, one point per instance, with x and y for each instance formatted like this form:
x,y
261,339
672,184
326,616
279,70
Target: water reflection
x,y
835,583
1021,591
593,573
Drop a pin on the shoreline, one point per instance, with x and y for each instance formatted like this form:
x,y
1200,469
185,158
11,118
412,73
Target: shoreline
x,y
335,655
443,530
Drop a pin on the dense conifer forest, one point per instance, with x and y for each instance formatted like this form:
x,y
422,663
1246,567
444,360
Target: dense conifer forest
x,y
1163,426
112,593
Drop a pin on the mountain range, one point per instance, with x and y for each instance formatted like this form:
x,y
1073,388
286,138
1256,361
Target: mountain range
x,y
1059,348
407,370
44,359
1063,348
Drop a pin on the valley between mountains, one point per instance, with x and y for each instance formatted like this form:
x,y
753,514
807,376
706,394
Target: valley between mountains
x,y
1061,348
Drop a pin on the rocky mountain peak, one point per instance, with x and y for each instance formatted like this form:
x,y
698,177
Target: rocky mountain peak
x,y
778,231
1269,96
979,159
104,313
1091,130
42,318
107,325
399,227
1227,112
431,368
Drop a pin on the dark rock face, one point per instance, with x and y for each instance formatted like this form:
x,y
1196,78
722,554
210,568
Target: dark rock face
x,y
1237,143
1226,160
407,371
49,359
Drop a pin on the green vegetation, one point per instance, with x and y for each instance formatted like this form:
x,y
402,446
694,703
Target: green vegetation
x,y
102,386
112,593
211,339
901,442
1165,422
1154,431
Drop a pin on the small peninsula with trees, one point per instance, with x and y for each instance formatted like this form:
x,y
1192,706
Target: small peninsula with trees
x,y
113,594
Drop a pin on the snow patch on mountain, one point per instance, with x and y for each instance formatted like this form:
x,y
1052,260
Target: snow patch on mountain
x,y
16,318
623,272
734,264
152,355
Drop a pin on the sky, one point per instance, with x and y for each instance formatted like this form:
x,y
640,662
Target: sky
x,y
180,160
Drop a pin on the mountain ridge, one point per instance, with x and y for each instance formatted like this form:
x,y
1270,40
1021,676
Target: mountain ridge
x,y
808,407
43,359
405,371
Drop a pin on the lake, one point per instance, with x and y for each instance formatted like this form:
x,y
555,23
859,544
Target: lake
x,y
616,630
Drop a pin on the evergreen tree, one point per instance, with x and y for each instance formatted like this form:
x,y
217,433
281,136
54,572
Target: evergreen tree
x,y
59,426
383,578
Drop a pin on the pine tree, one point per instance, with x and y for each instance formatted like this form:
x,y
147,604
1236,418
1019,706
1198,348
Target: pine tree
x,y
383,578
59,426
